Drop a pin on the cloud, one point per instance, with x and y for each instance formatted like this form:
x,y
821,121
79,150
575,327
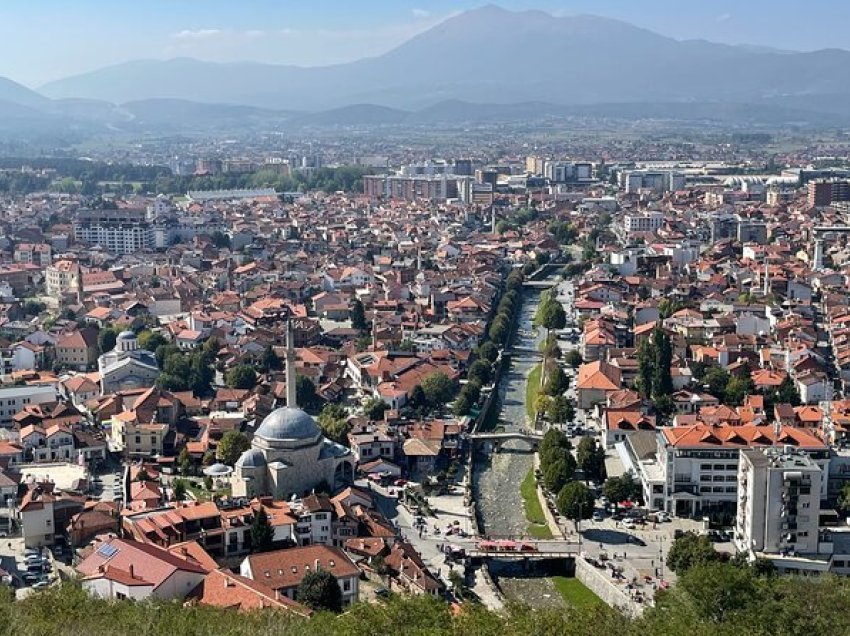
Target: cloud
x,y
254,33
198,34
421,13
723,17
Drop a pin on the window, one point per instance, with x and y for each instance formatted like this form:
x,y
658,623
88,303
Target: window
x,y
346,585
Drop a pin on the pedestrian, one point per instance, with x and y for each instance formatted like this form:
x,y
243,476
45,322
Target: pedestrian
x,y
624,555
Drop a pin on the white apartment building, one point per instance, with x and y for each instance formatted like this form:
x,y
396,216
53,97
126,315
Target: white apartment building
x,y
778,502
643,222
122,231
13,399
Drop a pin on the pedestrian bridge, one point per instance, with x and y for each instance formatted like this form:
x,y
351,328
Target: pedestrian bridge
x,y
539,284
523,549
502,436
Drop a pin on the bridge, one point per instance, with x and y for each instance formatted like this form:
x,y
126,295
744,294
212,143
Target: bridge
x,y
523,549
539,284
532,436
526,351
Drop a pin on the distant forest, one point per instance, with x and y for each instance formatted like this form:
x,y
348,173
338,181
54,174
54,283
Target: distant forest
x,y
91,178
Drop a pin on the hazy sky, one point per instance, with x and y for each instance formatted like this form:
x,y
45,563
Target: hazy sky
x,y
43,40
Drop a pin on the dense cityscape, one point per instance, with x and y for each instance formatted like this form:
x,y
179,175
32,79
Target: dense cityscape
x,y
557,367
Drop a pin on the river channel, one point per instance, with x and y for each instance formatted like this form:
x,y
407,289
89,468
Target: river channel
x,y
497,476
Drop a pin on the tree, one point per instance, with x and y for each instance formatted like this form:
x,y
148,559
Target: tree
x,y
844,498
560,410
208,459
690,550
231,446
646,360
358,315
319,591
106,339
270,360
557,382
178,490
184,461
333,421
374,408
262,532
788,392
417,397
488,351
242,376
738,387
462,404
662,380
590,457
33,308
573,358
622,488
499,329
439,388
151,340
550,313
142,476
575,501
716,379
558,472
480,370
305,392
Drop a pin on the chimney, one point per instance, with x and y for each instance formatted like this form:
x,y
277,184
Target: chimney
x,y
131,571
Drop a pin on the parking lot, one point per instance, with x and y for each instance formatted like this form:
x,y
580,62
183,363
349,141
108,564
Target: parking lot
x,y
30,569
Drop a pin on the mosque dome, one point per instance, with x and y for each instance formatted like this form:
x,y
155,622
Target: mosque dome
x,y
288,424
252,458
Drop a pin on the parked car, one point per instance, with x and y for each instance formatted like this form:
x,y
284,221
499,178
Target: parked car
x,y
597,516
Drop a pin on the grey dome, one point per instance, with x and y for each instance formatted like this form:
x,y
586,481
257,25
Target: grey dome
x,y
217,469
252,458
286,424
126,335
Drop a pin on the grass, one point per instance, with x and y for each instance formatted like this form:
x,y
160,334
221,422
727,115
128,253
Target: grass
x,y
531,390
538,528
575,593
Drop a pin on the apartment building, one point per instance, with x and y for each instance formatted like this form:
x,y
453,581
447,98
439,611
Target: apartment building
x,y
122,231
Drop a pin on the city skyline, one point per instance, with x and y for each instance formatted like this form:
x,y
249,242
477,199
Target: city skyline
x,y
340,32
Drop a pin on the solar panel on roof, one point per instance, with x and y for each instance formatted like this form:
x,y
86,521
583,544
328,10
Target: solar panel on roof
x,y
107,550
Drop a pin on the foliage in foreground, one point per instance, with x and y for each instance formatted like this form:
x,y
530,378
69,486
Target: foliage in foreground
x,y
717,599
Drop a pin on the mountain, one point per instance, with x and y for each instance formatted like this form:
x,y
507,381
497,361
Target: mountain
x,y
491,55
15,93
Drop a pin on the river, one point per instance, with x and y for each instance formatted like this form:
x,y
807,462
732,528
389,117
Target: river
x,y
497,476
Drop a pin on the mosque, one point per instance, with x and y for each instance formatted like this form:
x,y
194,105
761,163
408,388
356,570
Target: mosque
x,y
289,455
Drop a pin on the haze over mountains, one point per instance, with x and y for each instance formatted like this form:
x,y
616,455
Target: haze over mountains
x,y
485,63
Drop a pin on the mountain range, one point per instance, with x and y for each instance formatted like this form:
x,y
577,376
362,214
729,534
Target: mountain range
x,y
488,63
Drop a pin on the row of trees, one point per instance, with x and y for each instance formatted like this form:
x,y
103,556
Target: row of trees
x,y
182,371
655,360
728,599
732,388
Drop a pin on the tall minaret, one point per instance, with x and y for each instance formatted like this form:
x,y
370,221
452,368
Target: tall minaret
x,y
492,219
766,276
80,294
291,379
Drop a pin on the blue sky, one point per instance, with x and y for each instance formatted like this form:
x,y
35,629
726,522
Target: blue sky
x,y
43,40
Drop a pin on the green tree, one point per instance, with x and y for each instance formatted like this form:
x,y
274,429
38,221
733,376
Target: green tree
x,y
358,315
106,339
716,380
622,488
439,388
560,410
462,405
575,501
208,459
242,376
305,392
34,308
690,550
788,392
333,421
262,532
573,358
558,472
479,370
646,362
150,340
590,457
270,361
488,351
550,313
844,498
557,382
374,408
319,591
231,446
184,462
738,387
178,490
662,380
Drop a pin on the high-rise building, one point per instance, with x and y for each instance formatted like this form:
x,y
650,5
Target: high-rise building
x,y
824,192
121,231
778,502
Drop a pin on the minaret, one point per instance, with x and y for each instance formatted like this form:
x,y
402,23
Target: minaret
x,y
79,284
492,219
291,379
766,276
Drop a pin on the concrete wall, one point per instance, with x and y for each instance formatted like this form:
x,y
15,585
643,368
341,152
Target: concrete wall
x,y
597,581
